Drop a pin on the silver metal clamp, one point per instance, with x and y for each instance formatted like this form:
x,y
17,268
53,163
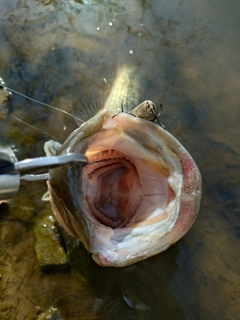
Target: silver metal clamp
x,y
13,171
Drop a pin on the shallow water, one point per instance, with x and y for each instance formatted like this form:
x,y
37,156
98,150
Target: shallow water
x,y
187,53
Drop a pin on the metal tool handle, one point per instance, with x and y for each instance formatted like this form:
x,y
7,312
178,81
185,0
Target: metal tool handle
x,y
9,182
48,162
10,169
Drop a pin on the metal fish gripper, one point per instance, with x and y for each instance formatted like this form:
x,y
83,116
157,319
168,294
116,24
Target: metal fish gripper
x,y
13,171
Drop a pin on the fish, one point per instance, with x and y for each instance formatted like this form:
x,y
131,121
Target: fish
x,y
140,191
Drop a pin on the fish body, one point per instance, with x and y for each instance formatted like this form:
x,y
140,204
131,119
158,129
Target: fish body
x,y
140,191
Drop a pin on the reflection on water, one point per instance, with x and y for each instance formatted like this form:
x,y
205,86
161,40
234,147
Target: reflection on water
x,y
187,52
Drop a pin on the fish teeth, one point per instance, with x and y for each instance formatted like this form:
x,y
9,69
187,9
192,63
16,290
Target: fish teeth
x,y
105,156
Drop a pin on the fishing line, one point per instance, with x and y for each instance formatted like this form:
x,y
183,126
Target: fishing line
x,y
31,126
42,103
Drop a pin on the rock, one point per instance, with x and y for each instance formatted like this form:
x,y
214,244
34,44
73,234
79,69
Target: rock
x,y
51,314
48,242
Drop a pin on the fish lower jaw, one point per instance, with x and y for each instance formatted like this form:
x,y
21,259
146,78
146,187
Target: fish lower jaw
x,y
122,247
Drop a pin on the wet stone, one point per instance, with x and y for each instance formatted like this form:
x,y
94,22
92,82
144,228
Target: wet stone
x,y
49,245
51,314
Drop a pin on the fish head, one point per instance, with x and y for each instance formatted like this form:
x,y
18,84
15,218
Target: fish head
x,y
139,193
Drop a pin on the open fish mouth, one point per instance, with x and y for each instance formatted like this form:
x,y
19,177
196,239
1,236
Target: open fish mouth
x,y
113,188
139,193
126,184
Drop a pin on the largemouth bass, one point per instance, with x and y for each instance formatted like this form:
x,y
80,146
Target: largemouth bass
x,y
141,189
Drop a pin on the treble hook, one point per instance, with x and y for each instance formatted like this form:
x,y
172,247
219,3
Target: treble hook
x,y
151,108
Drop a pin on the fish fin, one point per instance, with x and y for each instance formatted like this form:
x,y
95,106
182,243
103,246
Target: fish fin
x,y
89,105
46,196
51,147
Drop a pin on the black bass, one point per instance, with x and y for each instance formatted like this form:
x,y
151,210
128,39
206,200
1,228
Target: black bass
x,y
141,189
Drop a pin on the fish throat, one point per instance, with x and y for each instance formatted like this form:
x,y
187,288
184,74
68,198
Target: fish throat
x,y
114,191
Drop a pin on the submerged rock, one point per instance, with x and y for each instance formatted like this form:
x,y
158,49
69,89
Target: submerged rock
x,y
51,314
48,242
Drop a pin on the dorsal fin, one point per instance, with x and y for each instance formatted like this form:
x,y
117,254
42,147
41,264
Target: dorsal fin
x,y
90,103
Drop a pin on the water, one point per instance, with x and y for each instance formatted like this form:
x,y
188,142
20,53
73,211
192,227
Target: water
x,y
187,51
